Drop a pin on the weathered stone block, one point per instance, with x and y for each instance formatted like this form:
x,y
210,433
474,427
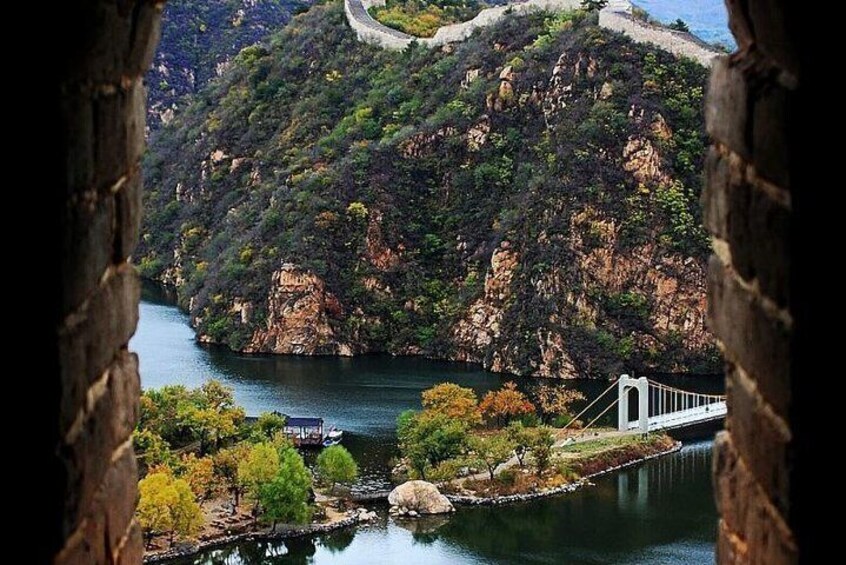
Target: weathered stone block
x,y
763,443
774,23
118,498
751,530
89,548
739,23
102,31
730,549
725,109
78,114
128,211
715,193
108,424
132,551
110,150
755,340
759,236
136,116
771,124
88,347
86,246
146,29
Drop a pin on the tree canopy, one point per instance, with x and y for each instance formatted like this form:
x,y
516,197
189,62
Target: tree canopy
x,y
453,401
336,465
506,403
167,505
284,497
491,450
428,438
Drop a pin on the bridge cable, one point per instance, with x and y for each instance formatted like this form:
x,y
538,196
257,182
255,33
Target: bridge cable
x,y
577,416
601,414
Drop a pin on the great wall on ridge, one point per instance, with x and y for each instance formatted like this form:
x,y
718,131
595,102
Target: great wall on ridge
x,y
616,16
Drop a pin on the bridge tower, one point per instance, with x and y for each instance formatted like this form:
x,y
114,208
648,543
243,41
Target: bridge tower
x,y
624,386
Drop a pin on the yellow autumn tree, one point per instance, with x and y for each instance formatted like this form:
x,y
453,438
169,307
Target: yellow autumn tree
x,y
454,402
199,474
167,506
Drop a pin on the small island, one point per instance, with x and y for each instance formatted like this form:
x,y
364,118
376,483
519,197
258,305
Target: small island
x,y
211,476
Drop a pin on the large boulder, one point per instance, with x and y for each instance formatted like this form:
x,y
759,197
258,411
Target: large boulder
x,y
419,497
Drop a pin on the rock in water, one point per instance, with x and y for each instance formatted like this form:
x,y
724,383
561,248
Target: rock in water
x,y
420,497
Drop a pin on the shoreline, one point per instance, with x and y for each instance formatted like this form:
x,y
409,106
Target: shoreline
x,y
362,516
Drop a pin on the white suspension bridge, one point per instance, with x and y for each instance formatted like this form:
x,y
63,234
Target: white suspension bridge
x,y
659,407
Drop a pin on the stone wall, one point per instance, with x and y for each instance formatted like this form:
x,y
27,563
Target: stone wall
x,y
676,42
616,16
751,172
370,31
106,46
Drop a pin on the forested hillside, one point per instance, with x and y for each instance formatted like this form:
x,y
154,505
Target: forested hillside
x,y
199,38
527,199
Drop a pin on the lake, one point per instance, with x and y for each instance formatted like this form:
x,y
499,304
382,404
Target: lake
x,y
660,512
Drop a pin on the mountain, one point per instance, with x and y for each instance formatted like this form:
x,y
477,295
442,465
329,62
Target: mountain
x,y
199,38
527,199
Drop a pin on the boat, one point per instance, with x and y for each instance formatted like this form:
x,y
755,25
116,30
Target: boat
x,y
333,437
304,432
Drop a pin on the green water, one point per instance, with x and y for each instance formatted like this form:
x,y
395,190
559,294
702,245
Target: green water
x,y
660,512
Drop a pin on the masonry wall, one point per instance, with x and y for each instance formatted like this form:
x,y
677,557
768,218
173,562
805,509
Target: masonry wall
x,y
751,177
102,53
676,42
371,31
616,16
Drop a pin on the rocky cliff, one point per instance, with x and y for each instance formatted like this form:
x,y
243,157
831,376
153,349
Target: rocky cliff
x,y
527,200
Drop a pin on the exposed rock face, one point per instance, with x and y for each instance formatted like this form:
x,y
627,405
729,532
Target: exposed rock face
x,y
539,216
419,497
643,161
378,253
300,314
475,333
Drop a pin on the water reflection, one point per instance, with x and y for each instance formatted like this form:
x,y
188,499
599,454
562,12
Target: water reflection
x,y
661,512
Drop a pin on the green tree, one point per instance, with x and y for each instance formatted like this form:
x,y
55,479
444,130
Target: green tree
x,y
521,439
540,446
259,467
151,449
285,497
226,462
268,425
490,450
679,25
181,416
336,465
167,505
453,401
427,439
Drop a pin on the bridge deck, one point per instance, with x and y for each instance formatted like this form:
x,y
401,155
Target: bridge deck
x,y
681,418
